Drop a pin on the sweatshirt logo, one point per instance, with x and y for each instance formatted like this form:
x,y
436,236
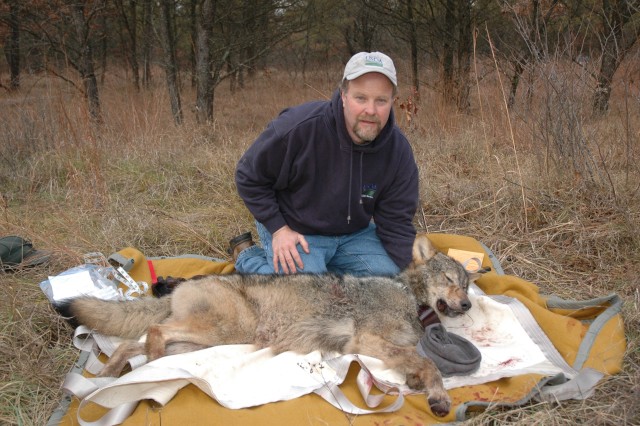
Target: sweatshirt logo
x,y
369,190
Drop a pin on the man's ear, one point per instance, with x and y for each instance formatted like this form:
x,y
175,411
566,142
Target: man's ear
x,y
423,249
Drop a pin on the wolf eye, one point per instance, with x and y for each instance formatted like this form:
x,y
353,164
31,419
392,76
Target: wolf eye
x,y
448,278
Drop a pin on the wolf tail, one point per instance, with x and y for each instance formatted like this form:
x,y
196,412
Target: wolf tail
x,y
127,319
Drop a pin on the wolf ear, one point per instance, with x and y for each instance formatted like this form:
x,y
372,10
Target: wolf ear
x,y
479,273
423,249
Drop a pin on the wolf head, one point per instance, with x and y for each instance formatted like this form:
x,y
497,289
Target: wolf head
x,y
438,280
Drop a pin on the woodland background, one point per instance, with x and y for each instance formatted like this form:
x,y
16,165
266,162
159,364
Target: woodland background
x,y
209,41
122,122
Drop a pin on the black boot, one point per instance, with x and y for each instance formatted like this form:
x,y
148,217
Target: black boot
x,y
239,243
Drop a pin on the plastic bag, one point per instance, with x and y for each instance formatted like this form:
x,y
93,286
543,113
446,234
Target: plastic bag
x,y
94,278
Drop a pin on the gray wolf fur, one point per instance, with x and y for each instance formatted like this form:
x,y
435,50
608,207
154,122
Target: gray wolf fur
x,y
375,316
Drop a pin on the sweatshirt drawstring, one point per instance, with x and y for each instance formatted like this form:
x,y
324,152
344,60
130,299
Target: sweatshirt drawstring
x,y
360,186
350,179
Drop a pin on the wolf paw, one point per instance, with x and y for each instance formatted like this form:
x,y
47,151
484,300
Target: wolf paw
x,y
440,406
415,382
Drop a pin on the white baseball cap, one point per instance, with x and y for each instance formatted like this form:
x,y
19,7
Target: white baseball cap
x,y
365,62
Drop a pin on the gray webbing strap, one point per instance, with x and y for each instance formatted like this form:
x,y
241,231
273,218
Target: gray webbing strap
x,y
595,327
580,387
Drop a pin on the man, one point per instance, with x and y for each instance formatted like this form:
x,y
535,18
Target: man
x,y
333,185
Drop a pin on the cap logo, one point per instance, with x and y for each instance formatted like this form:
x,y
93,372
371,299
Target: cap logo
x,y
373,61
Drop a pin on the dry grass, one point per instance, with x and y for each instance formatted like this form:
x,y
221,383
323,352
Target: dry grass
x,y
566,223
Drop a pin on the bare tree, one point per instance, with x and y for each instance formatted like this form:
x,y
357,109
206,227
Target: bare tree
x,y
531,19
193,39
231,40
412,36
85,63
12,49
129,20
621,30
204,79
66,32
147,36
256,23
465,43
448,43
361,33
170,63
402,19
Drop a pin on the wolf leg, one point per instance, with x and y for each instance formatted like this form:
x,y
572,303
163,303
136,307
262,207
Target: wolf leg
x,y
159,336
127,349
420,372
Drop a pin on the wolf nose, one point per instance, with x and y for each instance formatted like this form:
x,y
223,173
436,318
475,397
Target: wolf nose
x,y
465,305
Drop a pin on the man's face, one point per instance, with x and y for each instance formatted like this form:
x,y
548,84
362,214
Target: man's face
x,y
367,104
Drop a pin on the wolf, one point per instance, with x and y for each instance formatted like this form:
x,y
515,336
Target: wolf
x,y
375,316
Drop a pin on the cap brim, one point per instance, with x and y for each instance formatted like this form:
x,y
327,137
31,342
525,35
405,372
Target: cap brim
x,y
353,76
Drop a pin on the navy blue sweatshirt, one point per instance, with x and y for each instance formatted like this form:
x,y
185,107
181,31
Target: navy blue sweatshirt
x,y
304,171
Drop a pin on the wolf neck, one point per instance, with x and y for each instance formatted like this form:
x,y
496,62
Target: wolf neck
x,y
417,286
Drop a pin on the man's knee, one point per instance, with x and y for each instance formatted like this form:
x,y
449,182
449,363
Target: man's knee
x,y
384,266
313,264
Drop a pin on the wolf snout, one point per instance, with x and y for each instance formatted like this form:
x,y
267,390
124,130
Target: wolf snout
x,y
461,305
465,305
453,308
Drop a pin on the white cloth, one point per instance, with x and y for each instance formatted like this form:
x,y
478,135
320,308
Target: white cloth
x,y
508,349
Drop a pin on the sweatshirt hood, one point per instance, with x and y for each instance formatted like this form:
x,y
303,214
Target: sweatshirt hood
x,y
346,144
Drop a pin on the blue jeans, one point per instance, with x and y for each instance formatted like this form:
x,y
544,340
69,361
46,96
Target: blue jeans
x,y
360,253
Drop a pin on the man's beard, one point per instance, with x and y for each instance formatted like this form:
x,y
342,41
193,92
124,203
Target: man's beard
x,y
368,133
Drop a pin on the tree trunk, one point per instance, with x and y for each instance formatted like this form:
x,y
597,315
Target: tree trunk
x,y
361,34
447,52
252,19
170,64
193,32
617,13
12,50
204,79
103,43
465,44
130,27
523,58
85,63
413,46
147,32
133,34
130,24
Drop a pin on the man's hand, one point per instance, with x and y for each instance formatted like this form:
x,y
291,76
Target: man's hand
x,y
285,250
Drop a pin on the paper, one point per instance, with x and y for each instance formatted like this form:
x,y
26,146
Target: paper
x,y
471,260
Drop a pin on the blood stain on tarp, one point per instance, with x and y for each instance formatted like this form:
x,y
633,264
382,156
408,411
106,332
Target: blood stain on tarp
x,y
479,397
510,362
484,336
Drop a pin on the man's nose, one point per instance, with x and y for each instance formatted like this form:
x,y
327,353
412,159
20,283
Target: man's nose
x,y
370,108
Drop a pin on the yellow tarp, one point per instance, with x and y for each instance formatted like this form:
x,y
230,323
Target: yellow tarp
x,y
565,327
